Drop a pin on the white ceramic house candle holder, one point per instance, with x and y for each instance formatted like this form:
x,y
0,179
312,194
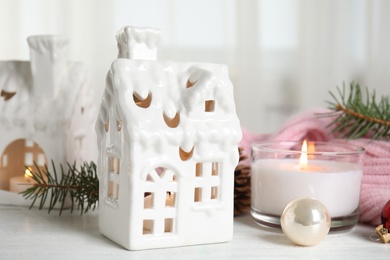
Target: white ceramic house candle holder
x,y
167,135
47,114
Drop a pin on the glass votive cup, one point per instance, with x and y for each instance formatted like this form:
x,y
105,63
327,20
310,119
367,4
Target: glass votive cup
x,y
330,172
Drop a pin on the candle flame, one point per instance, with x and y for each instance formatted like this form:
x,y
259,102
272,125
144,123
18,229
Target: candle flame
x,y
303,160
28,173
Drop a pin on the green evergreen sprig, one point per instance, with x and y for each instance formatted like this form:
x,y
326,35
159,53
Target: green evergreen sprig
x,y
359,114
79,187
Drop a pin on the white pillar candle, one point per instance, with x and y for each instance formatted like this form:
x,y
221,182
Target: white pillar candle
x,y
19,183
276,182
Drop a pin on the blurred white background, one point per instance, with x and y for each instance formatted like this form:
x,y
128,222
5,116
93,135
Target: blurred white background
x,y
284,55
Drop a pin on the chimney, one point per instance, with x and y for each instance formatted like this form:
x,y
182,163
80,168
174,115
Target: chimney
x,y
48,63
139,43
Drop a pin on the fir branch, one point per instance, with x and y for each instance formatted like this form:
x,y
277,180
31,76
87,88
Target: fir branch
x,y
356,117
79,187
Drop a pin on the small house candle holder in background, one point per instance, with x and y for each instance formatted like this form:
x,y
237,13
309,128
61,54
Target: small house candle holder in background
x,y
47,113
167,139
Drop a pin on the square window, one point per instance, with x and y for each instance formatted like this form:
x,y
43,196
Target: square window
x,y
28,159
41,159
209,106
215,169
148,226
111,164
198,194
111,189
114,165
168,225
148,200
170,199
118,166
29,143
214,192
199,170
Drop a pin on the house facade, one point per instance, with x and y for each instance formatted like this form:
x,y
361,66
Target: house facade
x,y
167,141
47,112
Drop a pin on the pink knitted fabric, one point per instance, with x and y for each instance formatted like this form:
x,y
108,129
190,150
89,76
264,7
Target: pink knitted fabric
x,y
375,191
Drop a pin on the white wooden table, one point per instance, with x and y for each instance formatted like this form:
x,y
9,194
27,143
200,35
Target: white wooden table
x,y
34,234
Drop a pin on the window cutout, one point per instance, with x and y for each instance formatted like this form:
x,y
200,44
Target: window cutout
x,y
148,200
209,106
160,171
118,125
214,192
41,159
184,156
198,194
144,103
113,180
172,122
28,159
149,178
114,165
215,169
111,188
199,170
29,143
148,226
168,225
190,84
118,166
7,95
170,199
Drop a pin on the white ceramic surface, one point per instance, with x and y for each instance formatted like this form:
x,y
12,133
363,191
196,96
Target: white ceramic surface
x,y
167,129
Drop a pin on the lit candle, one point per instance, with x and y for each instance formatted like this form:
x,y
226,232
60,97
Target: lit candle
x,y
21,183
279,179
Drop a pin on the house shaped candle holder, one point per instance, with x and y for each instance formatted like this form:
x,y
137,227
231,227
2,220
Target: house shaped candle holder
x,y
167,141
47,114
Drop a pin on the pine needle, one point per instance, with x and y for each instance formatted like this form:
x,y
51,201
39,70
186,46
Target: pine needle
x,y
356,117
79,188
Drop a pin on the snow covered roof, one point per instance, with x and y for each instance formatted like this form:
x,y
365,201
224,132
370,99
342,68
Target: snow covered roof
x,y
150,96
20,102
166,104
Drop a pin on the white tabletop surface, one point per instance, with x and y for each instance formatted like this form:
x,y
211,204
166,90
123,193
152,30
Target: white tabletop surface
x,y
34,234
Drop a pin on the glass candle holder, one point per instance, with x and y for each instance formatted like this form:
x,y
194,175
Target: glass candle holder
x,y
327,171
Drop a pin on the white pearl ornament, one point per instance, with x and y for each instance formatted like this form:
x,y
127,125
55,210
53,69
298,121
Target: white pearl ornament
x,y
305,221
